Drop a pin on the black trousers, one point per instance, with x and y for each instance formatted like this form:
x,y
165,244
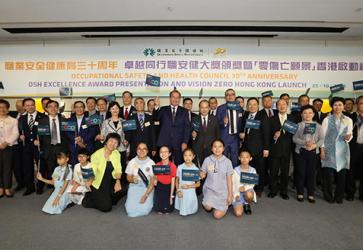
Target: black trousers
x,y
279,164
18,168
329,175
258,162
124,182
48,163
6,174
306,163
30,156
355,172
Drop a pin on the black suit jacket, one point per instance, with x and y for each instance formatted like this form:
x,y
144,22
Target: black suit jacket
x,y
319,119
132,112
204,138
353,142
24,129
46,139
258,139
146,135
282,146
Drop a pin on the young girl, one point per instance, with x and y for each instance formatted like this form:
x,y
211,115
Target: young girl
x,y
243,194
186,200
217,189
61,176
164,188
78,187
140,195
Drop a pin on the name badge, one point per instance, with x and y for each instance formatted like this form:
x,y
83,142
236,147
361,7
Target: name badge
x,y
157,123
211,168
36,123
84,126
147,124
190,175
249,178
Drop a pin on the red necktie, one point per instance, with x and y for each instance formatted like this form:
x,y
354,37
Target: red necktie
x,y
270,113
126,114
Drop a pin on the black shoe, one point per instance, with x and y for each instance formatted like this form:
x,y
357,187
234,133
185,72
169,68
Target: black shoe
x,y
11,195
271,195
28,192
284,196
350,198
1,196
247,209
360,198
39,191
300,198
311,199
339,201
18,188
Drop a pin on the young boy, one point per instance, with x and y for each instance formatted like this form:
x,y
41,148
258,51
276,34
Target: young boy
x,y
243,193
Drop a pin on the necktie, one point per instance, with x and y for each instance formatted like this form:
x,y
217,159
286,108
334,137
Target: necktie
x,y
232,122
126,114
102,118
190,116
54,135
204,124
270,113
141,121
173,114
31,122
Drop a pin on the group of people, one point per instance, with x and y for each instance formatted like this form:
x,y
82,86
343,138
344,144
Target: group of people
x,y
221,143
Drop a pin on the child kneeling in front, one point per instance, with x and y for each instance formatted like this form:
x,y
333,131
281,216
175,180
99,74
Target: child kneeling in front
x,y
243,193
61,176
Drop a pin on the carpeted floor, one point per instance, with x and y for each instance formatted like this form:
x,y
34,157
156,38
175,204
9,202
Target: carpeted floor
x,y
274,224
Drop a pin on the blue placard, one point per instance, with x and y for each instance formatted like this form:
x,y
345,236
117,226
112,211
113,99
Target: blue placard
x,y
249,178
267,93
309,128
87,173
43,130
358,85
190,175
235,105
295,107
254,124
93,120
129,125
69,126
196,125
336,88
153,80
161,169
290,127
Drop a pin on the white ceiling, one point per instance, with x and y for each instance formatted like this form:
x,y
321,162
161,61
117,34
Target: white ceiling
x,y
72,13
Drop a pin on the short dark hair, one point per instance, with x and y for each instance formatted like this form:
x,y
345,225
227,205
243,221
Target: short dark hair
x,y
187,99
81,102
349,99
217,140
91,98
253,98
83,151
113,136
102,99
7,104
243,150
336,99
63,153
302,96
283,95
45,99
203,101
127,92
225,92
150,100
174,91
139,98
113,104
359,98
307,107
317,100
212,98
240,97
50,102
190,150
28,99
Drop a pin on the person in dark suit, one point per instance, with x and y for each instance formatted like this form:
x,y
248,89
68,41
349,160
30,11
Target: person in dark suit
x,y
213,105
319,116
188,105
349,107
208,132
229,127
256,141
104,114
28,130
91,103
84,135
267,106
280,152
302,100
355,173
145,130
17,161
127,110
174,126
50,144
